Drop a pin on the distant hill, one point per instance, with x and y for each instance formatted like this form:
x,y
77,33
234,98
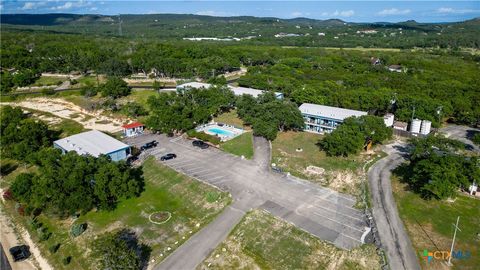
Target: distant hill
x,y
266,30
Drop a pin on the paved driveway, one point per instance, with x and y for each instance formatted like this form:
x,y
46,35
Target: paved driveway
x,y
324,213
393,236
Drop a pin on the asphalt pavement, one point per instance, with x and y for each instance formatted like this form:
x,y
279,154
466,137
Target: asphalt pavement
x,y
325,213
393,236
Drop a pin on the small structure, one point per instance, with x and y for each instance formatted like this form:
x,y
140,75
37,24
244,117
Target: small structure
x,y
415,126
425,127
196,85
320,118
94,143
472,190
133,129
400,125
388,119
395,68
375,61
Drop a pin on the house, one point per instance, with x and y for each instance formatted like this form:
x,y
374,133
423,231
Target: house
x,y
400,125
395,68
238,91
94,143
133,129
320,118
196,85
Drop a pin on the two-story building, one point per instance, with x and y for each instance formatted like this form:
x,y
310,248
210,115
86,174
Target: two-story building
x,y
324,119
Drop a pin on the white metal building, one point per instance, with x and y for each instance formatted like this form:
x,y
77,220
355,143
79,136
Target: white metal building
x,y
194,85
237,90
94,143
321,118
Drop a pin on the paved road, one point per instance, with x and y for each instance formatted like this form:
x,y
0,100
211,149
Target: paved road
x,y
325,213
262,153
393,235
4,264
461,133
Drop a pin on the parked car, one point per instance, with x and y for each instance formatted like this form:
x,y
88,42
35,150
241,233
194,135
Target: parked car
x,y
168,156
149,145
20,253
200,144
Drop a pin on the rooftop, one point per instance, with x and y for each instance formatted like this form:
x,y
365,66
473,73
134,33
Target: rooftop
x,y
91,142
329,112
133,125
194,85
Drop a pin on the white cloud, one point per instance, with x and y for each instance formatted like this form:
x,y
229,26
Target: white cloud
x,y
394,11
215,13
70,5
93,9
448,10
296,14
32,5
344,13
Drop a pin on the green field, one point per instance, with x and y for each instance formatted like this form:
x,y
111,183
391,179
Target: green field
x,y
262,241
240,146
44,81
231,118
286,156
429,224
191,203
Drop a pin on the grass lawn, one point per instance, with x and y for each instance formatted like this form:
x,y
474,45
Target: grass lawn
x,y
240,146
141,96
91,80
285,155
231,118
429,224
192,205
44,81
262,241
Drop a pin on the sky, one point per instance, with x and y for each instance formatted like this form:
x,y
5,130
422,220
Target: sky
x,y
351,11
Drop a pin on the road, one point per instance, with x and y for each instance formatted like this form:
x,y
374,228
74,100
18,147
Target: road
x,y
461,133
393,236
322,212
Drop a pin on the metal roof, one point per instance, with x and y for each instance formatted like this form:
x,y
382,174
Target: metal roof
x,y
329,112
238,91
91,142
194,85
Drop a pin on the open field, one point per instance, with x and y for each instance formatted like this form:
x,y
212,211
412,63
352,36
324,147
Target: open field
x,y
191,203
429,225
343,174
240,146
262,241
231,118
47,80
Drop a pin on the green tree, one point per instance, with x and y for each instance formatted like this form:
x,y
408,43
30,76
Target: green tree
x,y
21,187
115,87
113,251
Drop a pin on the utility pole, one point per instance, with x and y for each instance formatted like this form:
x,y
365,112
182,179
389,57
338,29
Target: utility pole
x,y
453,241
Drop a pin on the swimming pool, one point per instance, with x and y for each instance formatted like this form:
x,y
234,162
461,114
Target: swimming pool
x,y
218,131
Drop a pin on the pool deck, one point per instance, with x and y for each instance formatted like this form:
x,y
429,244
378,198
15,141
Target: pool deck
x,y
235,131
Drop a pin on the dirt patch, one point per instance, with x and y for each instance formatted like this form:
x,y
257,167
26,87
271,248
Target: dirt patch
x,y
314,171
68,110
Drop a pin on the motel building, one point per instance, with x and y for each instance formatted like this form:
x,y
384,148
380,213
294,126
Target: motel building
x,y
133,129
324,119
94,143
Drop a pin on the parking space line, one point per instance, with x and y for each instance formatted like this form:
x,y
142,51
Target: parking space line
x,y
338,212
209,173
217,177
346,206
333,220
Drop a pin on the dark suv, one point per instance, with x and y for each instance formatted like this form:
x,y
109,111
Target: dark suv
x,y
149,145
168,156
200,144
20,253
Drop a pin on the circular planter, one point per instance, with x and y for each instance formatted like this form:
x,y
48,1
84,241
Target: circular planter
x,y
159,217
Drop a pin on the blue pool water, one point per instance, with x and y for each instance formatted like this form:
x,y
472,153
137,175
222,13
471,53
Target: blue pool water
x,y
219,131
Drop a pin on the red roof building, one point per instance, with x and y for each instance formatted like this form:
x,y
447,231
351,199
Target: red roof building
x,y
133,129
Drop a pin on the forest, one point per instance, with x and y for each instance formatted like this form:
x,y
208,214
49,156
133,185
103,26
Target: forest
x,y
435,85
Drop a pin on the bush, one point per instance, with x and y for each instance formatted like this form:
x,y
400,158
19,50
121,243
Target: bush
x,y
43,234
67,260
203,136
78,229
54,248
48,91
73,82
476,138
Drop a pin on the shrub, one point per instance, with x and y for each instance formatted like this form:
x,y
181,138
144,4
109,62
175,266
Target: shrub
x,y
48,91
67,260
54,248
78,229
203,136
